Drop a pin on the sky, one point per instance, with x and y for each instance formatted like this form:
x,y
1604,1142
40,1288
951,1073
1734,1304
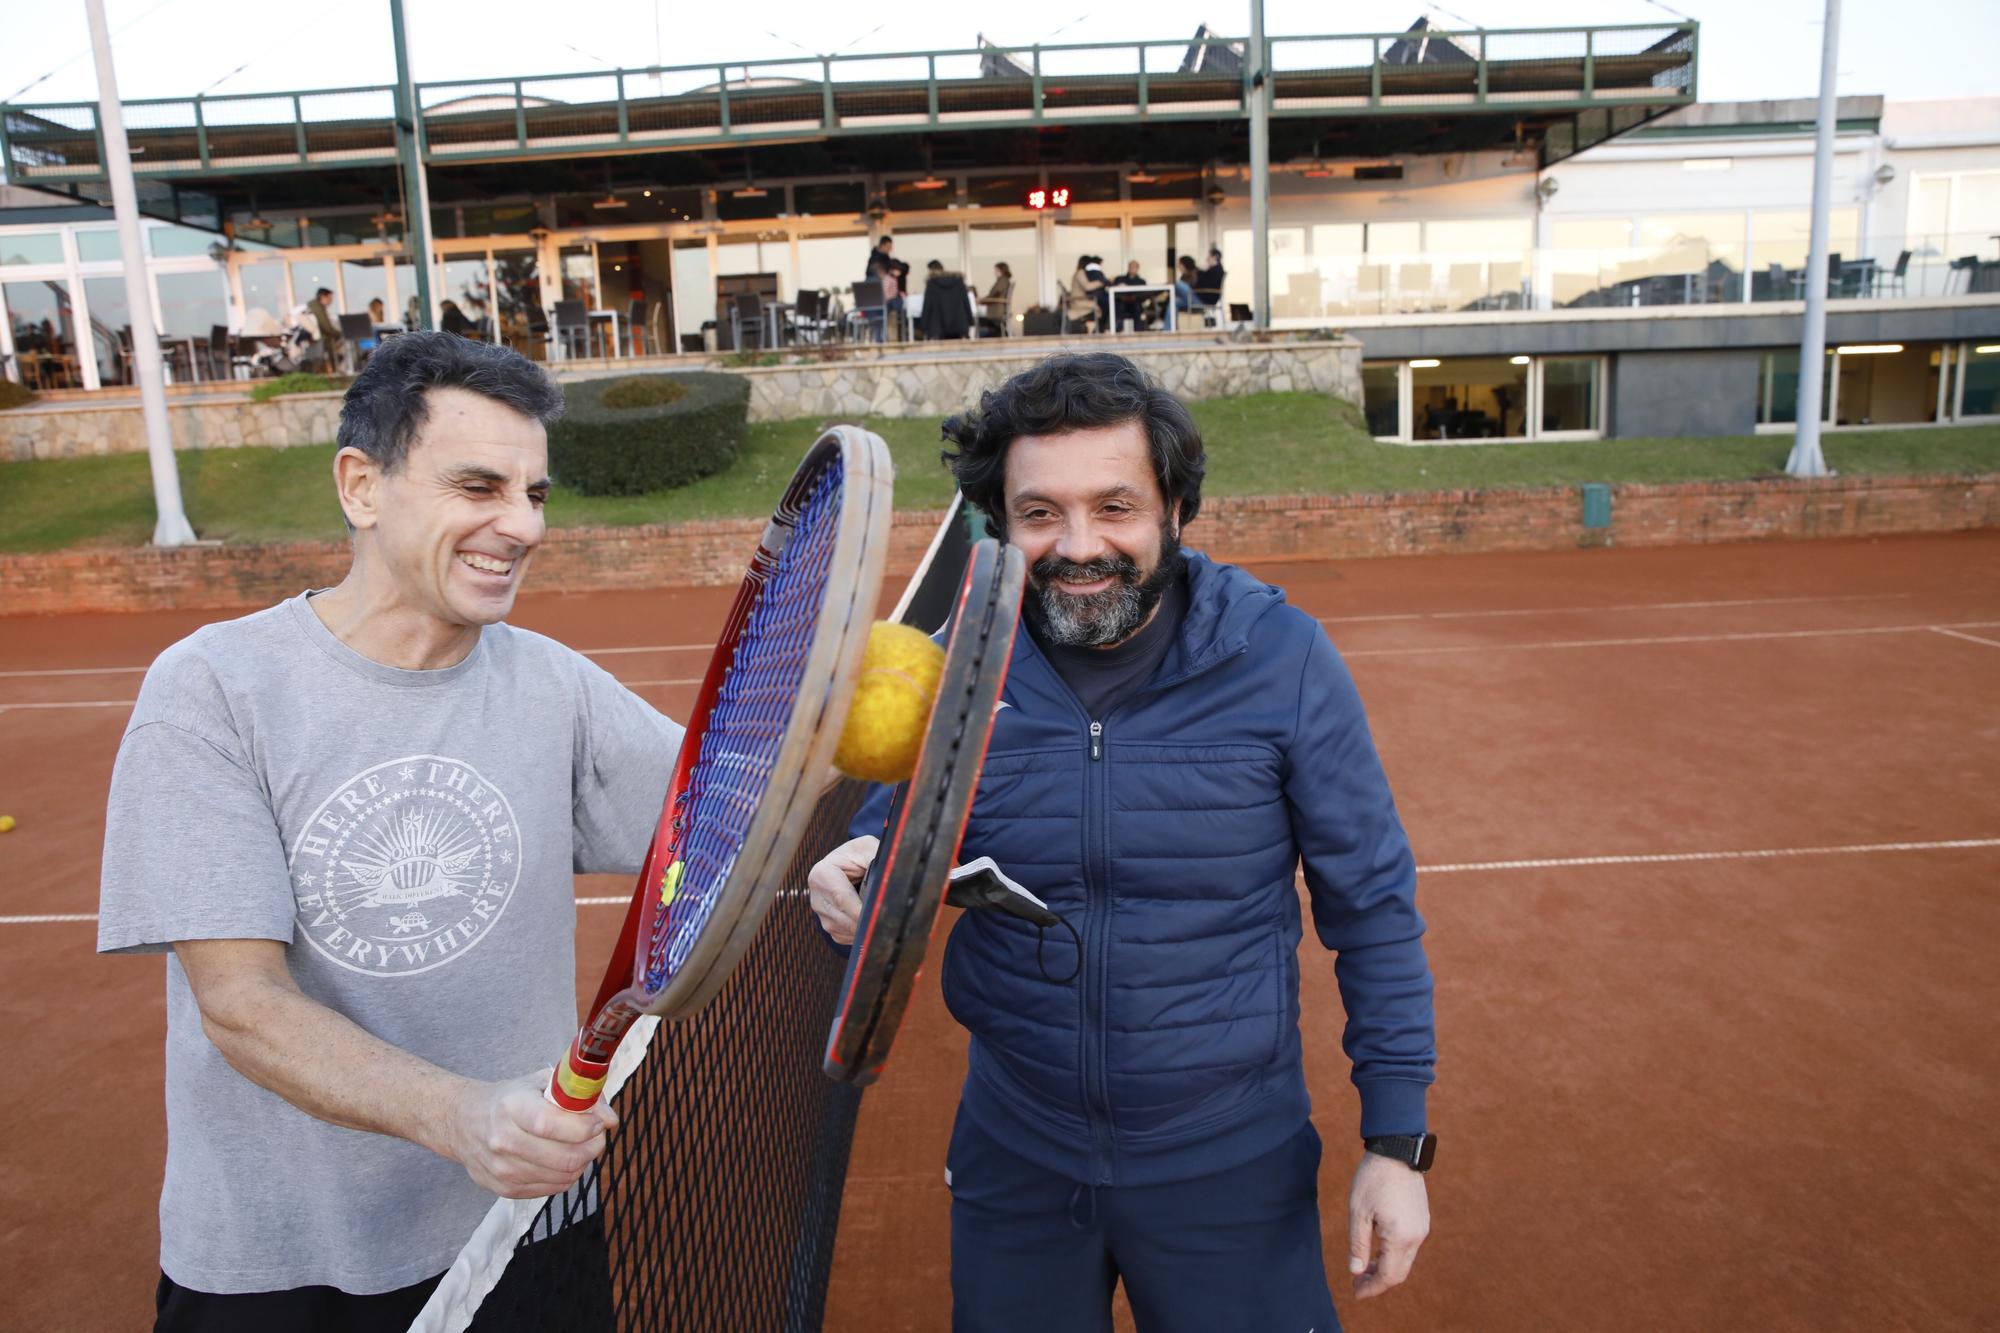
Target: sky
x,y
1750,49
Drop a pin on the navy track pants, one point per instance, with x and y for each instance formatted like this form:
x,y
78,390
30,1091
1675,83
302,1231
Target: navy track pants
x,y
1234,1252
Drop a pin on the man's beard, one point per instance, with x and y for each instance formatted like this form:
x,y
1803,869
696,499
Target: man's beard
x,y
1098,619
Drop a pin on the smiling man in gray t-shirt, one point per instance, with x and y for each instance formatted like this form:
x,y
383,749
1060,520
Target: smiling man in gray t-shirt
x,y
351,820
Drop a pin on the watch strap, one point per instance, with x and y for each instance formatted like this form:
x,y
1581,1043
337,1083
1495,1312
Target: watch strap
x,y
1416,1151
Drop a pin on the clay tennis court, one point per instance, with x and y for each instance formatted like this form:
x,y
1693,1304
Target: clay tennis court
x,y
1711,850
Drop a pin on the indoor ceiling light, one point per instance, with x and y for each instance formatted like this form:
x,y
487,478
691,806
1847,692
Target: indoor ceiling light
x,y
929,183
1142,177
1988,350
608,201
1426,363
1517,360
751,191
1869,349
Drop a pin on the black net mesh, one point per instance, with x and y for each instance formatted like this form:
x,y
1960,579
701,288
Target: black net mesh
x,y
716,1205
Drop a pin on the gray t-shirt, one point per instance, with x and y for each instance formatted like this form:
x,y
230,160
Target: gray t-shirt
x,y
411,835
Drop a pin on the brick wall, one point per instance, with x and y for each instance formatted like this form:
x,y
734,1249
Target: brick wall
x,y
1256,528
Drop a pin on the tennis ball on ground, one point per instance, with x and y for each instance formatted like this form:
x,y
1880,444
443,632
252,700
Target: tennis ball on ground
x,y
6,823
892,704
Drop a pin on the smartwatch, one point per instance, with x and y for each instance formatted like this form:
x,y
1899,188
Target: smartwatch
x,y
1416,1151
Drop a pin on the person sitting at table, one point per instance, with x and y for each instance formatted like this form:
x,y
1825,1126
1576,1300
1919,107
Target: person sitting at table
x,y
997,306
1184,282
452,320
1132,308
378,314
1080,309
1208,286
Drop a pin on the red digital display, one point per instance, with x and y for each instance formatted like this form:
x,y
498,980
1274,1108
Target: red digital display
x,y
1056,196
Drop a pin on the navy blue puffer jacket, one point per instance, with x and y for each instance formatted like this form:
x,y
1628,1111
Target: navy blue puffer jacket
x,y
1169,833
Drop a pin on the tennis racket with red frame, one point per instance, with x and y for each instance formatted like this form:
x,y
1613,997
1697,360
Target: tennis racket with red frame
x,y
758,751
906,882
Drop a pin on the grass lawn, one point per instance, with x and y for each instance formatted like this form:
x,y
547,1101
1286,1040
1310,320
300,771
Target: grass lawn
x,y
1269,444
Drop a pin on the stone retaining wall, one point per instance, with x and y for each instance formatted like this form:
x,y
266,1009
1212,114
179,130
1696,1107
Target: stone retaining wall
x,y
947,383
1316,527
863,384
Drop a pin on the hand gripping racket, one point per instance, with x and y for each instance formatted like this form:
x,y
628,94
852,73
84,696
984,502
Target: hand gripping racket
x,y
758,750
906,882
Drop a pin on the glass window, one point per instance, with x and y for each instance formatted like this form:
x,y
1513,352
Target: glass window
x,y
1000,191
174,242
517,293
466,284
1687,259
31,249
1076,237
1338,238
832,264
502,220
406,294
99,246
1782,240
1167,186
1584,255
829,199
1087,187
1878,388
365,285
731,207
1570,393
694,294
579,276
1778,388
1012,244
1393,238
1478,236
192,304
1381,398
263,297
308,276
1469,398
1930,206
44,333
918,246
1158,244
110,329
922,194
1981,369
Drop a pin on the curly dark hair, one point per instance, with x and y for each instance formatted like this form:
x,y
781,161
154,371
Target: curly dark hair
x,y
384,407
1066,392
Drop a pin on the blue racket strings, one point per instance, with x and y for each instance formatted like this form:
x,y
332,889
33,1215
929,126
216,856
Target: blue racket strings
x,y
746,728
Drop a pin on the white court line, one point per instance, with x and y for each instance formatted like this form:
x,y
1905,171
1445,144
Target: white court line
x,y
1665,638
650,648
1628,606
73,671
1664,858
1969,638
1395,652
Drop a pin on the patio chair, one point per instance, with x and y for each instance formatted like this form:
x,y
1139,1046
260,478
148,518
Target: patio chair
x,y
746,320
811,319
1958,279
996,311
1897,277
225,355
870,311
357,332
572,328
1041,324
635,326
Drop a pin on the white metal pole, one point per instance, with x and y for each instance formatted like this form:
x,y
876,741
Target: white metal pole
x,y
416,182
1806,459
171,528
1260,169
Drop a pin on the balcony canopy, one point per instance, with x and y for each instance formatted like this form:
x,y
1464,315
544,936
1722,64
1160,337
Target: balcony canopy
x,y
1545,92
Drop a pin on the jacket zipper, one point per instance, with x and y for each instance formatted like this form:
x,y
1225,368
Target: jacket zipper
x,y
1097,884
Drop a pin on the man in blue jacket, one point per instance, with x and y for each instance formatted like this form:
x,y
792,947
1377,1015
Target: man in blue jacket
x,y
1175,742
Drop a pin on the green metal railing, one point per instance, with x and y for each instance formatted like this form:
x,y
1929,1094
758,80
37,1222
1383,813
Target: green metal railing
x,y
1604,79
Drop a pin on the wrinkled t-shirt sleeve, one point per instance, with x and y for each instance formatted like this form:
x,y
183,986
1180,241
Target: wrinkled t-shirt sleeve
x,y
191,848
625,755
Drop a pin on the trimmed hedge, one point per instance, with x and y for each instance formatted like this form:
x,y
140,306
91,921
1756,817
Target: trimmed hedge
x,y
599,448
296,382
14,395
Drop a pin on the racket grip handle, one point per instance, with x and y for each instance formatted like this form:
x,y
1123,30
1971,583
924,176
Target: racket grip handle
x,y
578,1081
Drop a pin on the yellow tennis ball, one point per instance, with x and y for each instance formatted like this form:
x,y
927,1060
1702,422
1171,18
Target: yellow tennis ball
x,y
6,823
892,704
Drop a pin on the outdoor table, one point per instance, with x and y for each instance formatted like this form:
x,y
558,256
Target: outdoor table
x,y
1119,291
608,316
774,312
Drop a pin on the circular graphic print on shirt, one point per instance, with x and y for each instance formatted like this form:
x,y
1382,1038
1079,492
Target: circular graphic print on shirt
x,y
406,866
